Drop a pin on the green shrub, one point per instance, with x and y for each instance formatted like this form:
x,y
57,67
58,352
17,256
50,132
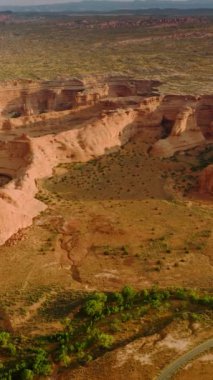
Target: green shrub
x,y
11,348
128,294
4,338
181,294
41,365
94,306
27,374
105,340
64,358
118,298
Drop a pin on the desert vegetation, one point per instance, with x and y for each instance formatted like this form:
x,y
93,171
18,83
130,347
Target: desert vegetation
x,y
98,323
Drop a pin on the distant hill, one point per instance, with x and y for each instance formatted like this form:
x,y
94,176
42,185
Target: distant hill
x,y
110,6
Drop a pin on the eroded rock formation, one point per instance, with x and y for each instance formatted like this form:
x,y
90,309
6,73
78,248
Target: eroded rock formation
x,y
185,134
43,125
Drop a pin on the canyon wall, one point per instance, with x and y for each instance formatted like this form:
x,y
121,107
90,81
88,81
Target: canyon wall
x,y
43,125
28,159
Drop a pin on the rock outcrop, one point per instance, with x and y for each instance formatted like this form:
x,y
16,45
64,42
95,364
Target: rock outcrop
x,y
206,180
185,134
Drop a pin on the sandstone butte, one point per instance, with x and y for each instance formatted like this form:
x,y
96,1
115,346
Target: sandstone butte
x,y
43,124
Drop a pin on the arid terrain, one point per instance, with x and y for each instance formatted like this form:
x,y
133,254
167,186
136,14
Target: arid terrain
x,y
106,189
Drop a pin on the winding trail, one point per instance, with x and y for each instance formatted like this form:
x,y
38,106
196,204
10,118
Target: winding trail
x,y
172,368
